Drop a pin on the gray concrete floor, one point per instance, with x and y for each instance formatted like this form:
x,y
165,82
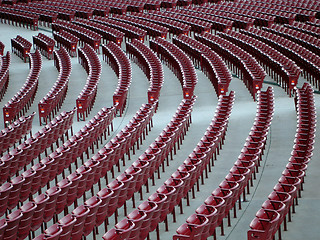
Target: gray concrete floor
x,y
306,219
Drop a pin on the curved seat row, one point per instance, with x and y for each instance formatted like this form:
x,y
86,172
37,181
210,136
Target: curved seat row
x,y
243,8
129,30
109,199
281,17
99,9
315,23
174,27
15,17
307,60
51,103
150,64
131,135
217,206
271,59
21,47
197,25
153,29
45,17
45,44
305,4
86,10
85,35
120,7
18,158
239,21
121,65
309,42
306,28
123,6
31,215
15,132
4,73
286,192
150,213
210,62
90,61
302,14
66,40
39,175
22,100
67,10
74,186
79,11
107,33
179,62
63,14
260,19
246,66
217,23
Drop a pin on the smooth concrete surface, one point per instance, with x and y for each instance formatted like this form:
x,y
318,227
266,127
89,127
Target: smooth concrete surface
x,y
305,221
